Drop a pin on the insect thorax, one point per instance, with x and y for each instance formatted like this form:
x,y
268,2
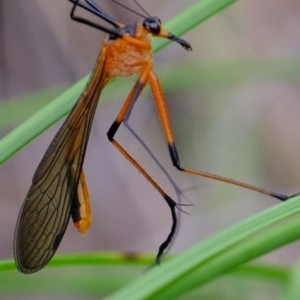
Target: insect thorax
x,y
124,58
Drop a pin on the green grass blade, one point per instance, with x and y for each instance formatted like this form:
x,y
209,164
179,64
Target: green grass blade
x,y
191,17
16,110
262,271
292,291
101,277
90,259
39,122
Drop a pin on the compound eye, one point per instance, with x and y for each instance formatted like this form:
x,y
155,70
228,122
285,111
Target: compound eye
x,y
152,24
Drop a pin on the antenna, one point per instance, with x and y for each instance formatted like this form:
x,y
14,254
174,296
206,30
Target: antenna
x,y
132,10
141,8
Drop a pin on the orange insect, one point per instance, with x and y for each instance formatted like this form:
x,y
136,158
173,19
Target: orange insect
x,y
59,190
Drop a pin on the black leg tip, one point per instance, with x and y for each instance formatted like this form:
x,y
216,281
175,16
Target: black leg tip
x,y
280,197
283,197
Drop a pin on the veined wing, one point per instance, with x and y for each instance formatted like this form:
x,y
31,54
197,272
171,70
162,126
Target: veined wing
x,y
46,210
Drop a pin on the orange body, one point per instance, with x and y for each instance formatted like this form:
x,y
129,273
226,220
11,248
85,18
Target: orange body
x,y
59,189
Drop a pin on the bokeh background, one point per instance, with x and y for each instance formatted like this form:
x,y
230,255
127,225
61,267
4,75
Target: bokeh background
x,y
234,103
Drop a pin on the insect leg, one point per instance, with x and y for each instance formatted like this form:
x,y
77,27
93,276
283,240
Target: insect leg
x,y
167,129
126,108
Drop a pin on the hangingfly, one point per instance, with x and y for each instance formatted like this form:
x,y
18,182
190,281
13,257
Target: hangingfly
x,y
59,190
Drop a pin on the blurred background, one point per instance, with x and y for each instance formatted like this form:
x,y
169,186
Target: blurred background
x,y
234,103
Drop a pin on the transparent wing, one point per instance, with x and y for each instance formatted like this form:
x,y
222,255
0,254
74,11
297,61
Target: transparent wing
x,y
46,210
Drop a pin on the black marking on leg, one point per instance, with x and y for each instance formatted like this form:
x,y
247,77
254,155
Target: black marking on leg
x,y
162,248
281,197
174,156
112,130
